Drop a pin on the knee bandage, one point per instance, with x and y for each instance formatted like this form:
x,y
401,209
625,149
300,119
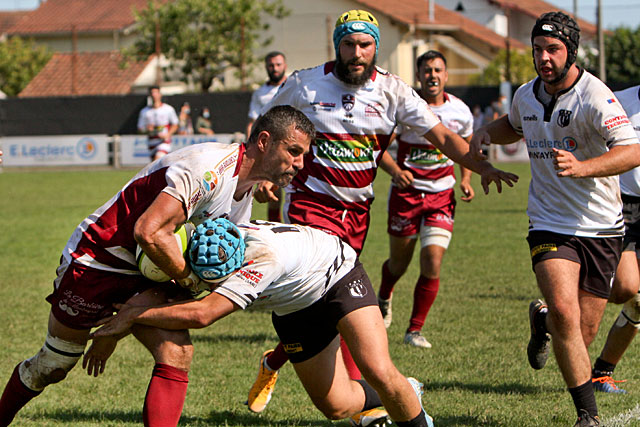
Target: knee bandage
x,y
51,364
430,235
630,313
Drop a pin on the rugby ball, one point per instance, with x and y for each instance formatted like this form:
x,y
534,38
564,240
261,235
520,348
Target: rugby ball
x,y
149,269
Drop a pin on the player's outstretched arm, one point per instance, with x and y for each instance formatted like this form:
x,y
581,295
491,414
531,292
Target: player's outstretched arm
x,y
617,160
498,131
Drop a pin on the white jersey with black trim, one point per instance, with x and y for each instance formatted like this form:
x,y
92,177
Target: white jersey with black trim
x,y
259,98
586,120
432,170
630,100
203,177
287,267
161,118
354,125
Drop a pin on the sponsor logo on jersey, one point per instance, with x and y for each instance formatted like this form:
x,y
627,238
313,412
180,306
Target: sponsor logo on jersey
x,y
74,304
226,163
567,143
398,223
251,277
348,101
545,247
194,198
209,180
323,106
615,122
295,347
564,118
373,110
357,289
611,100
425,156
348,151
531,118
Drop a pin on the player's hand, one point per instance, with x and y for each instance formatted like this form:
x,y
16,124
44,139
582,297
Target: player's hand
x,y
566,164
265,191
467,191
492,174
479,144
95,359
119,325
402,179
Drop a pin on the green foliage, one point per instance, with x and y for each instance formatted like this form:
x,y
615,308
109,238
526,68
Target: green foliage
x,y
622,65
20,61
522,69
202,38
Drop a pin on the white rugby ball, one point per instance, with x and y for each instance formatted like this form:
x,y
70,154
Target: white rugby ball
x,y
149,269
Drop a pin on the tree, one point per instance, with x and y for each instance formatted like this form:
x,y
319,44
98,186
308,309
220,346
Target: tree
x,y
20,61
521,70
623,66
201,38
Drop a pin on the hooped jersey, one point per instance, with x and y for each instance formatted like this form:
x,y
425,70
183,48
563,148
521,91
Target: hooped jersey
x,y
354,125
203,177
432,170
259,98
287,267
161,119
630,100
586,120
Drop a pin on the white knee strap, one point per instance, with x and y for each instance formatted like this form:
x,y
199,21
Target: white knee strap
x,y
51,364
630,312
430,235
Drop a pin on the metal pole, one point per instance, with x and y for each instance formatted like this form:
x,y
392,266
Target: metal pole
x,y
602,72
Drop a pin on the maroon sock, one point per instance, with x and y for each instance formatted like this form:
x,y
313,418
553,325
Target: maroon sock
x,y
14,397
423,297
277,358
352,369
165,396
388,282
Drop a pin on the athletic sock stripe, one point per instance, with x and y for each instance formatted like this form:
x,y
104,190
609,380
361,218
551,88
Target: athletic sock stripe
x,y
61,352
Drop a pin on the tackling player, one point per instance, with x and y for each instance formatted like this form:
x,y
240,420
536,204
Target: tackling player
x,y
159,122
98,266
578,137
426,207
316,288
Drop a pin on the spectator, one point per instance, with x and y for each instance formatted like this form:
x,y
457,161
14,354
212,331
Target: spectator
x,y
203,124
185,125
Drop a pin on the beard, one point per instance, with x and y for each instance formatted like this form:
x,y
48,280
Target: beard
x,y
275,77
351,78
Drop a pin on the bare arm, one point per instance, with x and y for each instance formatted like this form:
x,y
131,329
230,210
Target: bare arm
x,y
400,177
465,181
614,162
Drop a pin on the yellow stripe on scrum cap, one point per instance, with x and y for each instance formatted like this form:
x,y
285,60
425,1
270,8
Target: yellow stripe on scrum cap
x,y
357,15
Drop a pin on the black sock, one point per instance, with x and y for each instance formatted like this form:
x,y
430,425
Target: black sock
x,y
539,320
602,368
371,398
419,421
583,398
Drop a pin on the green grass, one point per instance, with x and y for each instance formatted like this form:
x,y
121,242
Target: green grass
x,y
475,375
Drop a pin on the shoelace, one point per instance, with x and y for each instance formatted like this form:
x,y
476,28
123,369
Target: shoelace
x,y
608,380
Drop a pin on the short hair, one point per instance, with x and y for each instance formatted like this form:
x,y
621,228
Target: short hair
x,y
152,87
428,56
277,122
273,54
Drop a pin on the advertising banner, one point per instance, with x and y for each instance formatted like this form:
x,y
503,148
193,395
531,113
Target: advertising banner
x,y
61,150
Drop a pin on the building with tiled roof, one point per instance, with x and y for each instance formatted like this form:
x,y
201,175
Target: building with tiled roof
x,y
8,20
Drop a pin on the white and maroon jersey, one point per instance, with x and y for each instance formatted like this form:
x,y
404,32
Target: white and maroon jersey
x,y
203,177
354,125
630,100
260,98
161,118
586,120
432,170
288,267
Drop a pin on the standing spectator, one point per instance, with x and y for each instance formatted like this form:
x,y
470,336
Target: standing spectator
x,y
185,125
426,207
159,121
627,278
355,107
478,117
578,137
276,66
203,124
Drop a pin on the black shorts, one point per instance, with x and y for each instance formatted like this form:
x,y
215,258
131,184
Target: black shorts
x,y
307,332
598,257
631,213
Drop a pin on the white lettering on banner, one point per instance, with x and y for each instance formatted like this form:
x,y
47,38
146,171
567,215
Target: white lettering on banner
x,y
59,150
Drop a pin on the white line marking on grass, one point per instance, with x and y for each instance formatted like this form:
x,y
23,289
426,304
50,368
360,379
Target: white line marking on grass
x,y
624,418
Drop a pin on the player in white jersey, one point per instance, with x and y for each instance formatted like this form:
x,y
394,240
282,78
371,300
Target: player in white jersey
x,y
355,107
316,288
159,121
98,265
578,137
426,207
276,66
625,286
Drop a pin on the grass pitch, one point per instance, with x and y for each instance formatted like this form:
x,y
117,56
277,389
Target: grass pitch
x,y
476,374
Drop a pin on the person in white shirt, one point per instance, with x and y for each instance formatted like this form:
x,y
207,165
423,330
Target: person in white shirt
x,y
579,138
316,288
159,122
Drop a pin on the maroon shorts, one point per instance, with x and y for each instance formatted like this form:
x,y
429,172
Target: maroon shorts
x,y
350,225
409,209
83,295
598,257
